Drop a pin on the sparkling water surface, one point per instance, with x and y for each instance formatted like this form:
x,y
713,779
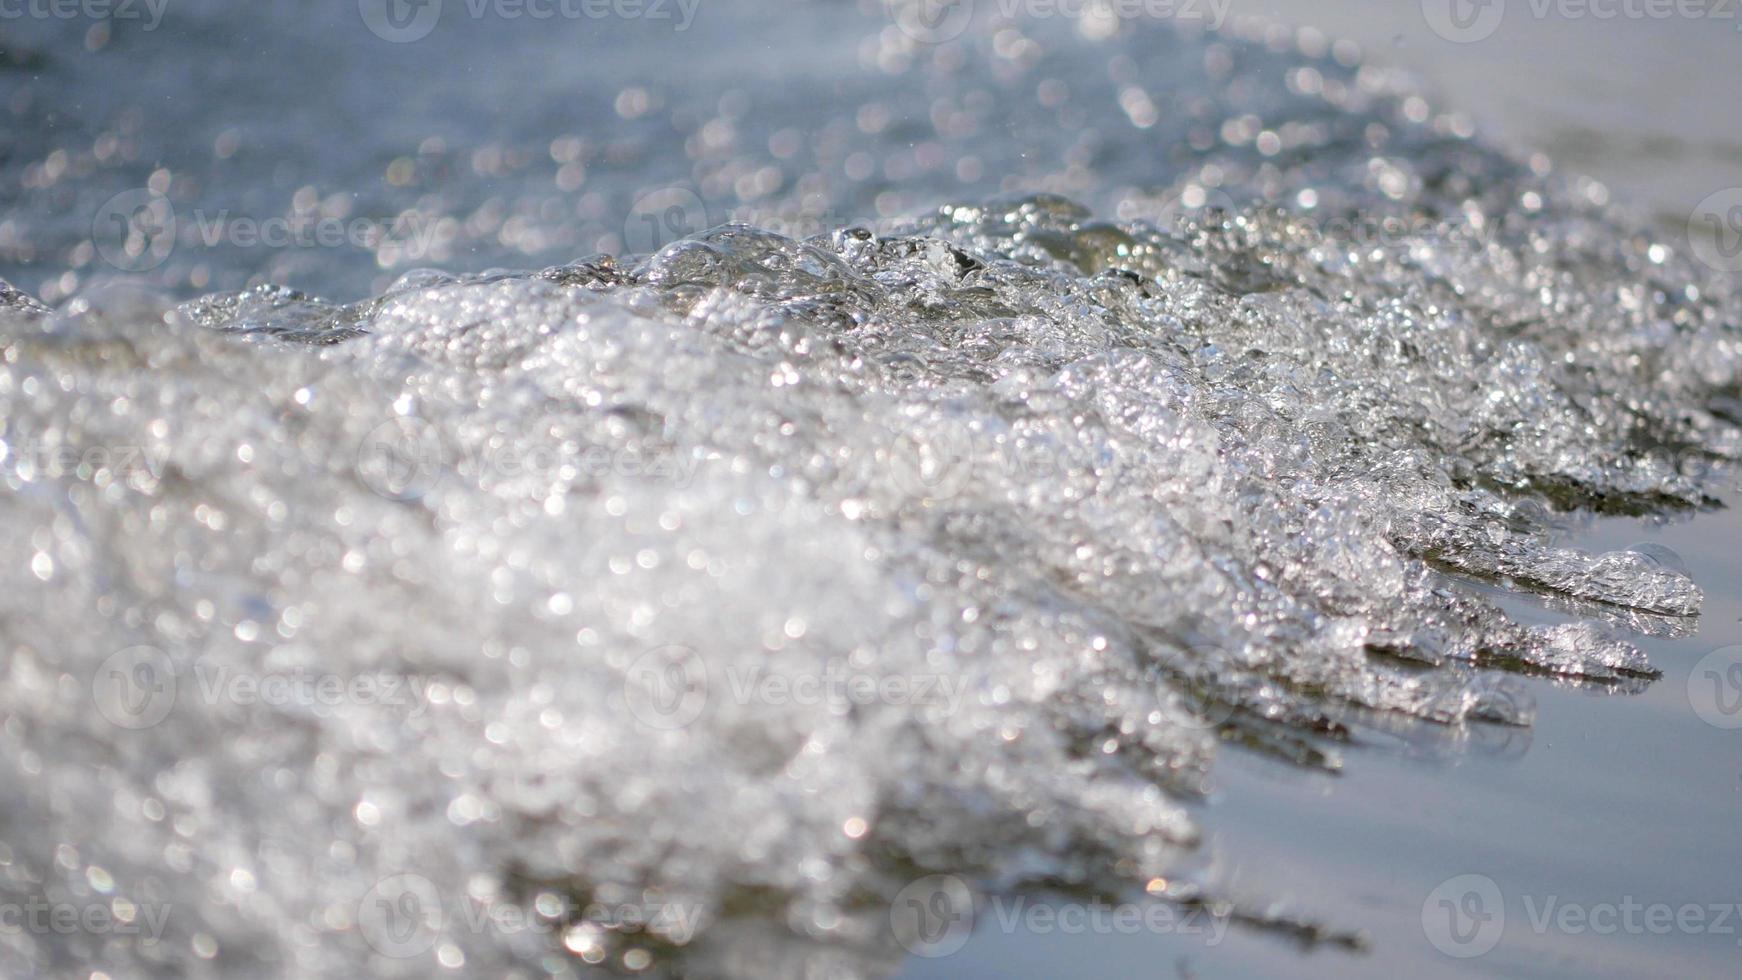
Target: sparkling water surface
x,y
1042,461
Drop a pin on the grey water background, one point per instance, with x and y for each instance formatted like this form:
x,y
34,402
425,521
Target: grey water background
x,y
1604,799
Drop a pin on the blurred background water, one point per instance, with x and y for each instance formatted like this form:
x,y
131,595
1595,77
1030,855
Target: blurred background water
x,y
517,141
497,143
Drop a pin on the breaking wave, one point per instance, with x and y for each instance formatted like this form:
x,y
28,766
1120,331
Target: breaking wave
x,y
696,603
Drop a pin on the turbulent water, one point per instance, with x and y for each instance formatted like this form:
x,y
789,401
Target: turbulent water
x,y
676,611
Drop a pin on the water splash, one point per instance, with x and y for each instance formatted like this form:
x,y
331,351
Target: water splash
x,y
688,606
